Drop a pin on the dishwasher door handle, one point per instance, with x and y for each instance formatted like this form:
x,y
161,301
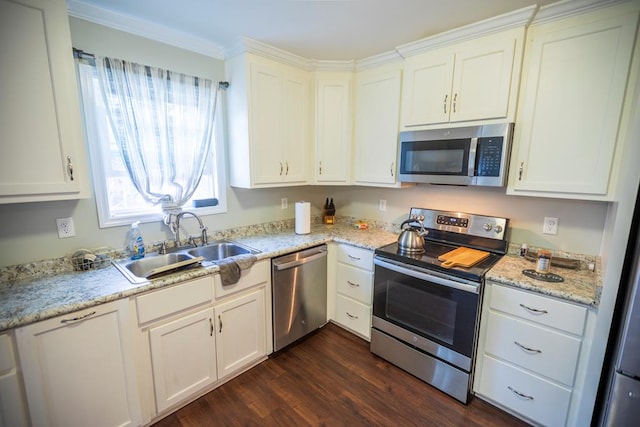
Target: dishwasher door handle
x,y
298,262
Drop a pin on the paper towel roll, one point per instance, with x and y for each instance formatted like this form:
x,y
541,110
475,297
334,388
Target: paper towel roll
x,y
303,217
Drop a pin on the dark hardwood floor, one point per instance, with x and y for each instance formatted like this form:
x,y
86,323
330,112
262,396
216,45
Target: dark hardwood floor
x,y
331,379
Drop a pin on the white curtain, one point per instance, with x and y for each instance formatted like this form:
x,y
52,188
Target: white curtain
x,y
163,123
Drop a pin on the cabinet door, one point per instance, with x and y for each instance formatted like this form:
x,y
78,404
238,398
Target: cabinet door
x,y
240,332
183,357
12,405
571,103
481,81
41,149
376,127
266,117
427,90
333,130
295,126
78,368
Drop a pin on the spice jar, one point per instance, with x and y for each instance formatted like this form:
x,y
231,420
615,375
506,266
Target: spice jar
x,y
544,261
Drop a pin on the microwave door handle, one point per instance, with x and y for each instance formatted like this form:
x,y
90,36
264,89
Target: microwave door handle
x,y
473,148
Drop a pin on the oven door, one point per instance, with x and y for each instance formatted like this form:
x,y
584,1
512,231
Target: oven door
x,y
427,310
445,161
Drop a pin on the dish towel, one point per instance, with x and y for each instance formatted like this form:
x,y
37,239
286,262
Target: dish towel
x,y
231,268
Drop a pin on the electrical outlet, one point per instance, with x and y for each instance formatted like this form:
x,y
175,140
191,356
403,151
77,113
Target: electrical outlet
x,y
284,203
382,205
550,225
65,227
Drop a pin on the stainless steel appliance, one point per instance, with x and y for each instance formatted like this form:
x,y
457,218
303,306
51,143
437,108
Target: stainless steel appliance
x,y
621,403
425,316
299,290
472,155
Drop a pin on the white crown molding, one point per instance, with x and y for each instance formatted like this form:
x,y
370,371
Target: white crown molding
x,y
329,65
248,45
517,18
566,8
143,28
377,60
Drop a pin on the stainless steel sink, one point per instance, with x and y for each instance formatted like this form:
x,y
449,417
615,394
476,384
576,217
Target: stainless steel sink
x,y
143,269
154,265
220,250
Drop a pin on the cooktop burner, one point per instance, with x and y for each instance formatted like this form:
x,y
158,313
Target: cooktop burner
x,y
447,231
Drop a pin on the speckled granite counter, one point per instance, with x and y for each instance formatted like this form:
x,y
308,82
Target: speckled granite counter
x,y
580,286
38,291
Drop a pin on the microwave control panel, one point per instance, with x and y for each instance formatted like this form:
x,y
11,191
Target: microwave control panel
x,y
489,156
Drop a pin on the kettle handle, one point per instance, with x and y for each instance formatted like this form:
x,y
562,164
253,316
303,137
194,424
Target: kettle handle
x,y
408,221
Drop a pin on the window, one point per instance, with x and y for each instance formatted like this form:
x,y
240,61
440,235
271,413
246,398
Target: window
x,y
118,201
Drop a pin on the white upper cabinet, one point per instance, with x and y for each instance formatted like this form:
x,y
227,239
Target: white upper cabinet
x,y
42,155
377,118
333,128
269,106
465,82
576,72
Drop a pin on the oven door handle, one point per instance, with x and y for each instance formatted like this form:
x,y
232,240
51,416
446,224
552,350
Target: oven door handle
x,y
421,274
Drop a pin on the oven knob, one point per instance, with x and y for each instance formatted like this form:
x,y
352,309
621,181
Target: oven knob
x,y
487,227
497,229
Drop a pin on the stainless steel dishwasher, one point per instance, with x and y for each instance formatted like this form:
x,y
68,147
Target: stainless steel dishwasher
x,y
299,290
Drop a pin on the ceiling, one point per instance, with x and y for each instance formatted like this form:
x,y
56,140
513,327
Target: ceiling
x,y
313,29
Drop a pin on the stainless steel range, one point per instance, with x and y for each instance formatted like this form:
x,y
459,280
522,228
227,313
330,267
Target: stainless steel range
x,y
425,310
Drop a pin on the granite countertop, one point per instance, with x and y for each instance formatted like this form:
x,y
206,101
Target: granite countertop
x,y
46,289
38,291
580,286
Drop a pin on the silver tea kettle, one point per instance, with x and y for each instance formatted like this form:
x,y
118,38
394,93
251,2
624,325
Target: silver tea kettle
x,y
410,239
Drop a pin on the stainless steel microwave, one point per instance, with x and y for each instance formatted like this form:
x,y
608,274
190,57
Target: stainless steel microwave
x,y
472,155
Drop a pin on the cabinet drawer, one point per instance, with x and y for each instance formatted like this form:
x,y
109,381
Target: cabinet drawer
x,y
540,309
172,300
357,257
551,353
259,273
354,315
355,283
539,400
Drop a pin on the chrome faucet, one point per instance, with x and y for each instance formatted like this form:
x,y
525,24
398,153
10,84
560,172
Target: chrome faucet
x,y
203,229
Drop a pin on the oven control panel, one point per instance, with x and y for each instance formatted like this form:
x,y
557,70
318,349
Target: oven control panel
x,y
452,221
460,222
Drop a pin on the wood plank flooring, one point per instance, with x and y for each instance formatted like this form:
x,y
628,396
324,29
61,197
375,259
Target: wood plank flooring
x,y
331,379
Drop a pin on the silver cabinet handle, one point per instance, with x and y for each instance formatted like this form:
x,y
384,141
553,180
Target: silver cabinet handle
x,y
351,315
517,393
445,102
75,319
320,167
520,170
391,168
355,285
355,258
211,330
455,98
525,348
220,321
70,167
281,168
287,165
534,310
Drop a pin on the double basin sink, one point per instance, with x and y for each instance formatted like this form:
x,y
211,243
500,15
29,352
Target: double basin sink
x,y
154,264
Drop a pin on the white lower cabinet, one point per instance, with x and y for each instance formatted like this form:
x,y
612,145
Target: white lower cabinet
x,y
240,328
197,334
354,289
78,369
12,407
528,353
182,357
